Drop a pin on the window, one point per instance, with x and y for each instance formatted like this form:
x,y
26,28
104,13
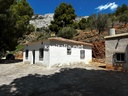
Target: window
x,y
69,50
26,54
119,57
82,54
41,53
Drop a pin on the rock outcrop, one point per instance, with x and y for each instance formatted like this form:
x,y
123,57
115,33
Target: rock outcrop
x,y
40,21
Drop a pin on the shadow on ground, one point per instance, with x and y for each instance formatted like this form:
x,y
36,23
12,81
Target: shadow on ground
x,y
4,61
69,82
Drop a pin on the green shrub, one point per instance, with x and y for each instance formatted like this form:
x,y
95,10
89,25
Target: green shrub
x,y
19,48
39,29
67,32
31,28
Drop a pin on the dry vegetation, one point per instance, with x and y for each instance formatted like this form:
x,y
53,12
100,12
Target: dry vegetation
x,y
86,36
98,40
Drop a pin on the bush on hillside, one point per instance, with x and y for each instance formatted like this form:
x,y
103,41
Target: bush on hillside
x,y
31,28
67,32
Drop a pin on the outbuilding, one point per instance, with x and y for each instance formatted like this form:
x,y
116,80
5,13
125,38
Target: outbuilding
x,y
57,50
116,46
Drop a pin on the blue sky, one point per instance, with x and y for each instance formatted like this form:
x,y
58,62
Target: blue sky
x,y
82,7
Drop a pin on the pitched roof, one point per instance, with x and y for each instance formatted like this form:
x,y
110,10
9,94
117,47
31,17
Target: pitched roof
x,y
62,40
70,41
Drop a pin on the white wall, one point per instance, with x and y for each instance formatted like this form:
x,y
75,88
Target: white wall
x,y
36,47
58,55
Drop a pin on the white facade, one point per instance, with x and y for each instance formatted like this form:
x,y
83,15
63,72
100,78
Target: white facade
x,y
57,51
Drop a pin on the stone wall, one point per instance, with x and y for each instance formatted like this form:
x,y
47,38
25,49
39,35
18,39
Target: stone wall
x,y
116,45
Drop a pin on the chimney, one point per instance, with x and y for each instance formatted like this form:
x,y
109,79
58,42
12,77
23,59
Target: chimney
x,y
111,31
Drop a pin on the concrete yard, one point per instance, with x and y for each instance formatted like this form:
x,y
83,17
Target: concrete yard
x,y
18,79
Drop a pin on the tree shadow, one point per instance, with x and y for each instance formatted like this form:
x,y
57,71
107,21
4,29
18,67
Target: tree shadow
x,y
69,82
4,61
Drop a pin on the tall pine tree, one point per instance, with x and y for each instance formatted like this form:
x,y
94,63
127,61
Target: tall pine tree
x,y
64,16
14,18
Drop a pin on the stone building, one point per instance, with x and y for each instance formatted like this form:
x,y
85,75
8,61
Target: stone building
x,y
116,47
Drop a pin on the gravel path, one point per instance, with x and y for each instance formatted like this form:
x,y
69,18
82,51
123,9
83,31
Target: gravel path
x,y
18,79
11,71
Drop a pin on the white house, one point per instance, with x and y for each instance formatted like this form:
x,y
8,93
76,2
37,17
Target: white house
x,y
57,50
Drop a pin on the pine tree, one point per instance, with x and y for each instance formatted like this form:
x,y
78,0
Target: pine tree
x,y
14,18
64,16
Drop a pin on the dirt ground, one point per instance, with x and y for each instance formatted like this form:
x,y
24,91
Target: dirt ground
x,y
18,79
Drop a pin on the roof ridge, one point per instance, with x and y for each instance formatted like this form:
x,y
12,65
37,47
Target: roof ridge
x,y
69,40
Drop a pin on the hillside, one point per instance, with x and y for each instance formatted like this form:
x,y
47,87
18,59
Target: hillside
x,y
85,36
40,21
97,40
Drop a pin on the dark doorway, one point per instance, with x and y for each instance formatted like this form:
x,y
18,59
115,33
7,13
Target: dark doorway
x,y
33,56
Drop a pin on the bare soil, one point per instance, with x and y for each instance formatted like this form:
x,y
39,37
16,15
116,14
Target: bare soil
x,y
18,79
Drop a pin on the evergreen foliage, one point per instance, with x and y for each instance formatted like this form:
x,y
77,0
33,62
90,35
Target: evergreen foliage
x,y
83,23
67,32
99,22
64,16
14,18
102,22
124,17
122,13
91,21
30,28
121,9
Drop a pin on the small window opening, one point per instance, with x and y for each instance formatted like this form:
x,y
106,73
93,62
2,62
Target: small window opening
x,y
41,53
26,54
69,50
82,54
120,57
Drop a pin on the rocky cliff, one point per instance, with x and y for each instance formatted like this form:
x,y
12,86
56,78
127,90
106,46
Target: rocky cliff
x,y
40,21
